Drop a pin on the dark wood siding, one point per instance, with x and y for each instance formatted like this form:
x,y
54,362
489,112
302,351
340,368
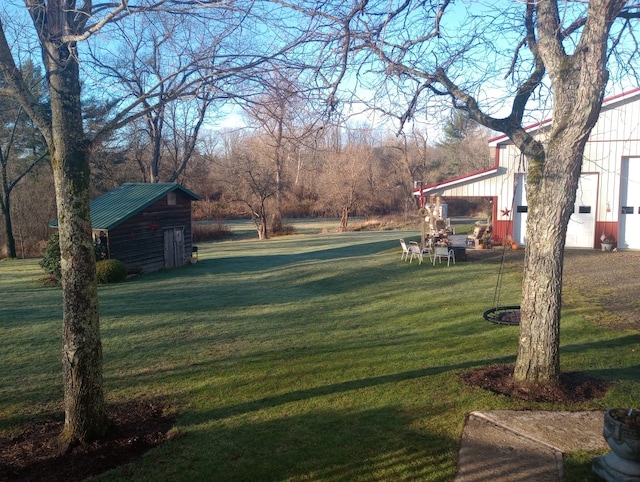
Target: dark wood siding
x,y
139,241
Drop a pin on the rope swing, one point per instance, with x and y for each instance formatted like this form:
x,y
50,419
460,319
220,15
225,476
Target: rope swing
x,y
502,315
505,315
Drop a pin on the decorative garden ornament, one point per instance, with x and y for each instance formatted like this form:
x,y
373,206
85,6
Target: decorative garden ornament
x,y
622,433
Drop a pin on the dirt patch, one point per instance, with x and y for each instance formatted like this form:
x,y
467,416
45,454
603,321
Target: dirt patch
x,y
604,284
574,387
607,283
138,426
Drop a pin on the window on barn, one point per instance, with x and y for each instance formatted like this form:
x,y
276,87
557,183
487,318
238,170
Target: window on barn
x,y
627,209
171,199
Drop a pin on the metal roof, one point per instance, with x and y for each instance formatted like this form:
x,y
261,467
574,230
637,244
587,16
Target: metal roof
x,y
474,176
116,206
607,103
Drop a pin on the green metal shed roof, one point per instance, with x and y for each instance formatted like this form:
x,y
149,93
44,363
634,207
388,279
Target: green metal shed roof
x,y
116,206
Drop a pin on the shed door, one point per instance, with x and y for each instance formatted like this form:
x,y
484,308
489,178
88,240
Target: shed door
x,y
630,204
173,247
582,223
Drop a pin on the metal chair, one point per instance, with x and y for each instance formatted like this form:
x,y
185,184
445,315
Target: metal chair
x,y
405,251
416,252
440,252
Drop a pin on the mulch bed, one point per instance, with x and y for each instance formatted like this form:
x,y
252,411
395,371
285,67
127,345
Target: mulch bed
x,y
574,387
33,455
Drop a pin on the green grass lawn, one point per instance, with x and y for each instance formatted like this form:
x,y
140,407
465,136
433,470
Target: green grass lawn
x,y
308,357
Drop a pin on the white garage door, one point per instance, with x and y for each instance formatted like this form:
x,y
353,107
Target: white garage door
x,y
582,223
630,204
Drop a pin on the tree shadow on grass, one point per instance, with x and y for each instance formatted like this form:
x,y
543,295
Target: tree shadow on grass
x,y
243,260
374,444
620,345
331,389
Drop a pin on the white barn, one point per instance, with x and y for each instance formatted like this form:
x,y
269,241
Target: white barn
x,y
608,197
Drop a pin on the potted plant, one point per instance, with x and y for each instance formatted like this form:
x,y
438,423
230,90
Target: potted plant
x,y
606,242
622,432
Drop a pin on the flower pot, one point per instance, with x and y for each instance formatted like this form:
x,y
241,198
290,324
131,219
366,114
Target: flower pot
x,y
622,432
515,246
606,246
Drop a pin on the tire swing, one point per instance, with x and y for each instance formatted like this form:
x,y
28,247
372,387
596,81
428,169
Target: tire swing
x,y
504,315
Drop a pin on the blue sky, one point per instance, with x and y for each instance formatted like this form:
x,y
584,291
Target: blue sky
x,y
485,66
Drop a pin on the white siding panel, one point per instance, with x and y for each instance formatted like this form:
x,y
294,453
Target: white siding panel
x,y
615,135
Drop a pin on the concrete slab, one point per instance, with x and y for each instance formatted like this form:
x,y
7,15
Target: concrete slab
x,y
563,431
519,446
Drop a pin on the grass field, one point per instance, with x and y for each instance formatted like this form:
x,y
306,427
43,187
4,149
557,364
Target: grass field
x,y
308,357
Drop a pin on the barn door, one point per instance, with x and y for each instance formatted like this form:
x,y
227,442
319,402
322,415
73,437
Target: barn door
x,y
582,224
630,204
173,247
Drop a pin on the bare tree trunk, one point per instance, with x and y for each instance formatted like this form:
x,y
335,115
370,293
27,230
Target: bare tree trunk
x,y
155,122
5,203
260,220
344,219
578,84
538,358
85,415
263,227
8,230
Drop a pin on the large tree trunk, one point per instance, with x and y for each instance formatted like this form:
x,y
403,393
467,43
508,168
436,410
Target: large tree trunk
x,y
578,84
549,202
85,415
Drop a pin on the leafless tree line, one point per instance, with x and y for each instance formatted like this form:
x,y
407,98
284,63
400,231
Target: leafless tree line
x,y
171,75
276,168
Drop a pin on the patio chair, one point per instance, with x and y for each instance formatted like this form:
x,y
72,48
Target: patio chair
x,y
405,251
475,238
440,252
416,252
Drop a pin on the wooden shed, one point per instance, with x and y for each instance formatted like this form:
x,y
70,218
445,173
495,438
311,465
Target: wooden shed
x,y
146,226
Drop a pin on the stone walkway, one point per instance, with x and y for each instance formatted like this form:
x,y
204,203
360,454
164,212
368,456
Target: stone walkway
x,y
524,446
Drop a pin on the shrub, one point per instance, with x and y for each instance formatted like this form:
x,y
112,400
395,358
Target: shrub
x,y
110,271
50,262
51,257
278,228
